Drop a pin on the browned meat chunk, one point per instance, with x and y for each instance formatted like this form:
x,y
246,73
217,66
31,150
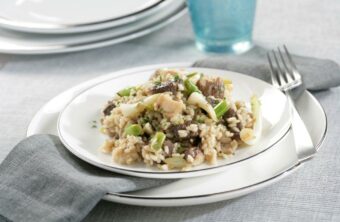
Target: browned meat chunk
x,y
108,108
178,133
230,113
165,87
212,87
173,132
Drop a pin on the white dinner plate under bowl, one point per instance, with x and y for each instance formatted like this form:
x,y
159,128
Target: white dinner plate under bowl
x,y
243,178
65,16
26,43
81,139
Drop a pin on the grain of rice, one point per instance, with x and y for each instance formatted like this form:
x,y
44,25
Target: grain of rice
x,y
182,133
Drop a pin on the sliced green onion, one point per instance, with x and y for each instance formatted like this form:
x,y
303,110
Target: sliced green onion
x,y
190,87
194,77
176,78
126,91
134,130
157,83
157,141
221,108
191,74
175,162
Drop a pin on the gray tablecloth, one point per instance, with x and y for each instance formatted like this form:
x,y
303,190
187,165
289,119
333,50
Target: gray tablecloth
x,y
308,27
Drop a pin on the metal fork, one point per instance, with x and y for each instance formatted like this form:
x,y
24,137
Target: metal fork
x,y
285,76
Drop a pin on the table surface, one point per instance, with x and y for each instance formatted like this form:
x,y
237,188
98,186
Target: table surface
x,y
308,27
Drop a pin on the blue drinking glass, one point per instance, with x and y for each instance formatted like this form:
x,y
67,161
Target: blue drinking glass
x,y
223,25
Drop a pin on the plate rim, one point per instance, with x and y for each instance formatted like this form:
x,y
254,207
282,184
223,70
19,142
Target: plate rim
x,y
36,27
122,170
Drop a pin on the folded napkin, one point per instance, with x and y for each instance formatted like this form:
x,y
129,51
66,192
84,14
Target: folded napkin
x,y
41,181
318,74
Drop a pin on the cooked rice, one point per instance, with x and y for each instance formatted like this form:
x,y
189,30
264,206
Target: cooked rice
x,y
192,136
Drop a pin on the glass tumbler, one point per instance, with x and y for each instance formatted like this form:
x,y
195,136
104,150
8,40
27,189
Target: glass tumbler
x,y
222,26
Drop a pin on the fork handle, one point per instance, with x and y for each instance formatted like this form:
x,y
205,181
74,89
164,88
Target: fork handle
x,y
304,145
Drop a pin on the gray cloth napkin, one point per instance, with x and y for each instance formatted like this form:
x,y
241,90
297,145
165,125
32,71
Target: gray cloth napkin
x,y
318,74
41,181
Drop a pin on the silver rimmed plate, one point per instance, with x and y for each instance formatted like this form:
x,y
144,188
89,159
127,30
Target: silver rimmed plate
x,y
246,177
74,16
74,125
24,43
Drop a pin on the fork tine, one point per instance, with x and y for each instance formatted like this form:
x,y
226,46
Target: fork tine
x,y
281,74
288,72
294,72
289,57
273,75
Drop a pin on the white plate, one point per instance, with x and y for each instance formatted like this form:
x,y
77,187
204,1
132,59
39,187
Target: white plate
x,y
11,46
81,139
241,179
65,16
24,42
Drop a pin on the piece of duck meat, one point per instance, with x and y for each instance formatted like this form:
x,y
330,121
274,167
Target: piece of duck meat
x,y
169,86
212,87
108,108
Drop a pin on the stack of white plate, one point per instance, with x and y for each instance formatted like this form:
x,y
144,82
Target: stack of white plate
x,y
41,27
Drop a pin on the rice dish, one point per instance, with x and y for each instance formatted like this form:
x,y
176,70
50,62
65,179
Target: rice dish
x,y
178,120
